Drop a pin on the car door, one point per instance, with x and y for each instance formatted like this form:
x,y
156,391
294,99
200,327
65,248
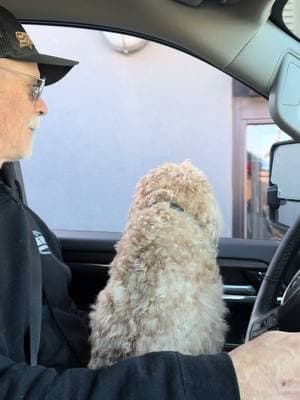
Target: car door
x,y
242,262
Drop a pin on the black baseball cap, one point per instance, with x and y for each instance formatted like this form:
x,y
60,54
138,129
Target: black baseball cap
x,y
16,44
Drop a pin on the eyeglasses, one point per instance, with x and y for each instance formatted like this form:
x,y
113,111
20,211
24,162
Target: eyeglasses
x,y
37,86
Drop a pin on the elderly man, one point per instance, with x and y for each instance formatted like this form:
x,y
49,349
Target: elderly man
x,y
43,337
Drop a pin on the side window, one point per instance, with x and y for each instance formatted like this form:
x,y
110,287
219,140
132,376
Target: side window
x,y
117,115
129,106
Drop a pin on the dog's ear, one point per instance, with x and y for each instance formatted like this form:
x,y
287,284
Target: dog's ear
x,y
156,196
155,186
201,200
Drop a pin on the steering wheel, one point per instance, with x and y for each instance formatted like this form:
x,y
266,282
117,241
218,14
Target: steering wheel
x,y
267,314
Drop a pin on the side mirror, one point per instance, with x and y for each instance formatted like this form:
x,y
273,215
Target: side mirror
x,y
284,185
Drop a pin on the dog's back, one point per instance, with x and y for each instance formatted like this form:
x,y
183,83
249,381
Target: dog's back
x,y
165,290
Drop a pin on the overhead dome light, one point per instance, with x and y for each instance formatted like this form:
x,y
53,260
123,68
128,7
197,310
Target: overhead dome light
x,y
124,43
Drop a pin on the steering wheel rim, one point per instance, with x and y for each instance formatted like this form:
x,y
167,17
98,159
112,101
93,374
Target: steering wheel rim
x,y
265,311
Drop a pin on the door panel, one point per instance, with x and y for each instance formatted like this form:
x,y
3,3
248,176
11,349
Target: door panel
x,y
242,262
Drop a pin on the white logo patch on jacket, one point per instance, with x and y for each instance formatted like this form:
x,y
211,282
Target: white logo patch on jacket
x,y
41,243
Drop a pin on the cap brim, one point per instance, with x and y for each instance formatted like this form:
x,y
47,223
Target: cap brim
x,y
51,68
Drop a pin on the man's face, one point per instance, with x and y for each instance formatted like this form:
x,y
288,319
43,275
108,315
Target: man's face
x,y
19,113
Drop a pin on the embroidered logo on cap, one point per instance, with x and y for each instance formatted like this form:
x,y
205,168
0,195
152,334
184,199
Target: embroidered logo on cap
x,y
24,39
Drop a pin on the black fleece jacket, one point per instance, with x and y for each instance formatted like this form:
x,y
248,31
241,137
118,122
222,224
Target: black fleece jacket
x,y
64,352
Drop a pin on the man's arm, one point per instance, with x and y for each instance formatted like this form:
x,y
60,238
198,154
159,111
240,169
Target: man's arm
x,y
163,376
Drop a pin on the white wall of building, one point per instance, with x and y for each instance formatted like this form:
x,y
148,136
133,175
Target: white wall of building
x,y
113,118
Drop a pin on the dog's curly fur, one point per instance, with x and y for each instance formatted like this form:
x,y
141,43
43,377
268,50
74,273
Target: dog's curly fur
x,y
165,290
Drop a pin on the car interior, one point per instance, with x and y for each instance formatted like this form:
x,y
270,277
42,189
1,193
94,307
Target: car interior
x,y
249,41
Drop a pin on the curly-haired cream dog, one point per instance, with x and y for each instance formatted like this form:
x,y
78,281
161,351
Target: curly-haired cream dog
x,y
165,290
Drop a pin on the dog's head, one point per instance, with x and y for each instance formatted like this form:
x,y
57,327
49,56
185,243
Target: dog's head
x,y
186,188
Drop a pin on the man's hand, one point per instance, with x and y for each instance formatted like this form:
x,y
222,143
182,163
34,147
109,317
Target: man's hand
x,y
268,368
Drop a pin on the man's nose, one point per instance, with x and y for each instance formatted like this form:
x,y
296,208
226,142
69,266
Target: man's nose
x,y
41,107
